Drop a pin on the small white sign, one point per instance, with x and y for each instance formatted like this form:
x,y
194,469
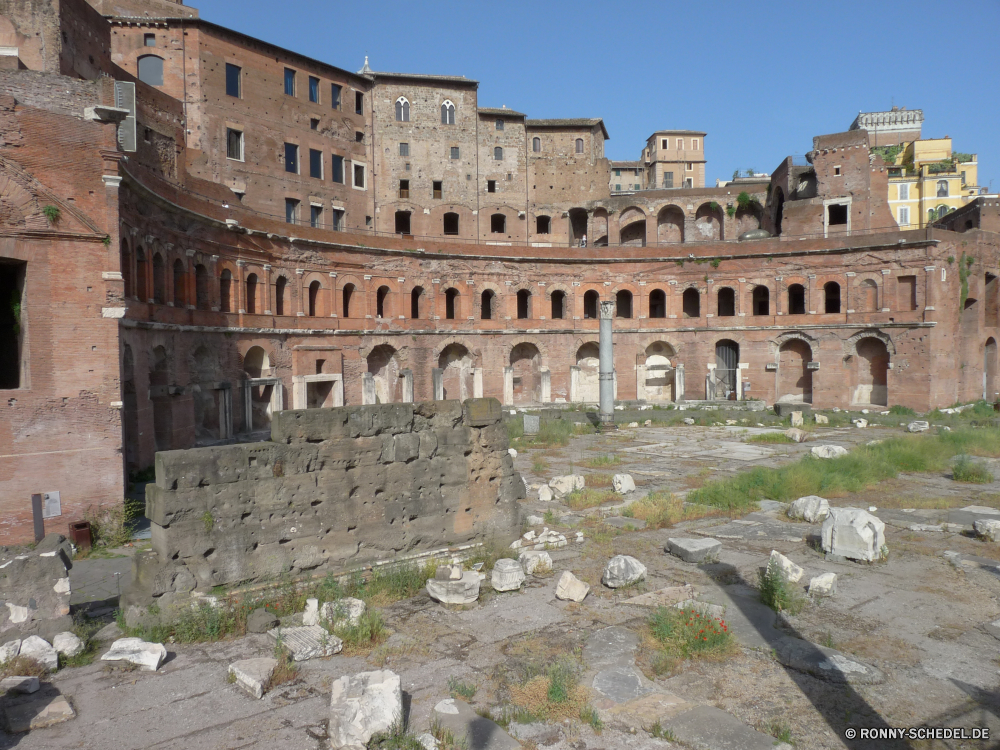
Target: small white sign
x,y
51,505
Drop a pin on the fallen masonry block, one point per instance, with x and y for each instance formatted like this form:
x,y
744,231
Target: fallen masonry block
x,y
253,675
148,656
307,642
825,663
623,483
508,575
67,644
823,585
811,508
854,534
988,529
463,591
694,550
788,570
535,561
622,570
41,651
33,712
346,611
829,451
571,588
16,684
362,705
260,621
562,486
9,650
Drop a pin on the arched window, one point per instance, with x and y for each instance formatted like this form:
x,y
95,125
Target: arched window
x,y
202,298
141,290
159,280
451,223
796,300
314,289
497,153
486,304
523,304
761,300
591,300
498,224
380,302
151,70
447,113
450,303
558,304
727,302
579,145
415,296
623,304
536,144
402,110
346,294
251,302
692,303
280,289
543,224
125,259
831,297
226,291
657,304
180,298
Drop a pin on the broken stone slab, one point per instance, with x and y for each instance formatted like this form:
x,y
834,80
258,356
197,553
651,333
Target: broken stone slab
x,y
260,621
797,419
35,712
147,656
825,663
41,651
623,483
710,728
860,423
918,425
545,493
67,644
342,612
471,730
705,609
824,584
688,420
622,570
665,597
788,570
529,536
463,591
448,573
9,650
829,451
811,508
693,550
620,684
311,615
307,642
987,529
571,588
799,436
535,562
563,485
16,684
428,741
253,675
821,419
362,705
508,575
853,533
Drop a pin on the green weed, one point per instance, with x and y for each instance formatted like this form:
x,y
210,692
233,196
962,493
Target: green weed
x,y
966,470
461,689
768,438
774,591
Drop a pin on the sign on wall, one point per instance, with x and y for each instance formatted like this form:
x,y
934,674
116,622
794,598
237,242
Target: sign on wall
x,y
51,505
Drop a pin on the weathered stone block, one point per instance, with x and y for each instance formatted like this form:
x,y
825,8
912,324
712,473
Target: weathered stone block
x,y
571,588
853,533
481,412
622,570
407,447
308,425
363,705
694,550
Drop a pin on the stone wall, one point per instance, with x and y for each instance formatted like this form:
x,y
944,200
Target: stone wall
x,y
334,489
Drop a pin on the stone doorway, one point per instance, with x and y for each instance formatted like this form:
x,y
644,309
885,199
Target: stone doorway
x,y
794,375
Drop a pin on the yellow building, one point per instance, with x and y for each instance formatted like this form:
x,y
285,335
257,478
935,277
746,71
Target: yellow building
x,y
927,180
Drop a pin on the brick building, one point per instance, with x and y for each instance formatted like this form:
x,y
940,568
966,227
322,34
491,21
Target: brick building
x,y
165,300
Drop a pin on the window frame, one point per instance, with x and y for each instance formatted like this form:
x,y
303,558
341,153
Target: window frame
x,y
448,109
536,145
295,158
316,215
354,175
578,146
239,132
900,212
290,81
455,152
336,91
238,80
437,189
292,210
138,67
402,109
498,124
404,148
498,153
900,189
313,153
491,186
337,158
314,89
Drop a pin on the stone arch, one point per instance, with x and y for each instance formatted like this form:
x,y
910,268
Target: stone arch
x,y
457,364
794,375
725,301
558,296
125,260
525,300
691,303
670,224
141,286
591,304
796,298
633,227
871,372
832,303
851,343
587,359
625,303
351,296
204,368
19,206
748,218
657,303
708,223
577,225
159,279
526,363
383,364
256,363
760,300
282,295
599,224
658,358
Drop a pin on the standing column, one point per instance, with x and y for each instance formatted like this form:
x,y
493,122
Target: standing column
x,y
607,366
267,289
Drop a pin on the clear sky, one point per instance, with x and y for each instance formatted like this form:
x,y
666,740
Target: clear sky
x,y
760,78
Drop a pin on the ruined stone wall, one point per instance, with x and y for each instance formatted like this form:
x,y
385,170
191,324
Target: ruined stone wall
x,y
334,489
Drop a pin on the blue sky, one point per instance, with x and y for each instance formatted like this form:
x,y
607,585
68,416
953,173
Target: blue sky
x,y
760,78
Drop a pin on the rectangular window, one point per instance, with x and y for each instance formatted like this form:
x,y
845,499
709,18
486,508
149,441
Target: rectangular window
x,y
437,187
904,192
618,188
906,293
491,186
404,189
149,40
291,210
234,144
359,103
904,215
314,89
314,124
359,177
689,167
618,173
338,220
404,149
335,96
359,136
289,82
666,143
233,80
12,338
963,178
291,158
338,168
315,216
638,187
694,144
316,163
836,171
456,153
668,179
680,144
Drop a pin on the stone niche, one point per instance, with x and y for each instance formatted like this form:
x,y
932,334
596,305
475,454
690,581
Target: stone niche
x,y
334,489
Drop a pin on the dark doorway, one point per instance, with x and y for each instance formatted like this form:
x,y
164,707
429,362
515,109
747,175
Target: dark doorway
x,y
11,323
727,361
727,302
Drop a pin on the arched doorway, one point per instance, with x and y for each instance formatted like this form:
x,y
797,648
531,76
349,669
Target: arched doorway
x,y
708,222
794,375
871,373
670,225
990,385
634,234
257,364
384,368
457,367
526,361
727,361
588,375
577,226
659,383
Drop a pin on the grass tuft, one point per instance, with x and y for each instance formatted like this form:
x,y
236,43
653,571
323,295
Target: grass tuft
x,y
768,438
599,462
589,715
775,593
676,635
966,470
396,737
588,497
459,689
663,509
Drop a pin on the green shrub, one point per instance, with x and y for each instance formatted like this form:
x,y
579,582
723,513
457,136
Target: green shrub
x,y
774,591
462,689
972,472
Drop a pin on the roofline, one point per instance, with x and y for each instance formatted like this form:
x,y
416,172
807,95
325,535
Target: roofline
x,y
565,122
677,132
216,27
500,112
375,74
